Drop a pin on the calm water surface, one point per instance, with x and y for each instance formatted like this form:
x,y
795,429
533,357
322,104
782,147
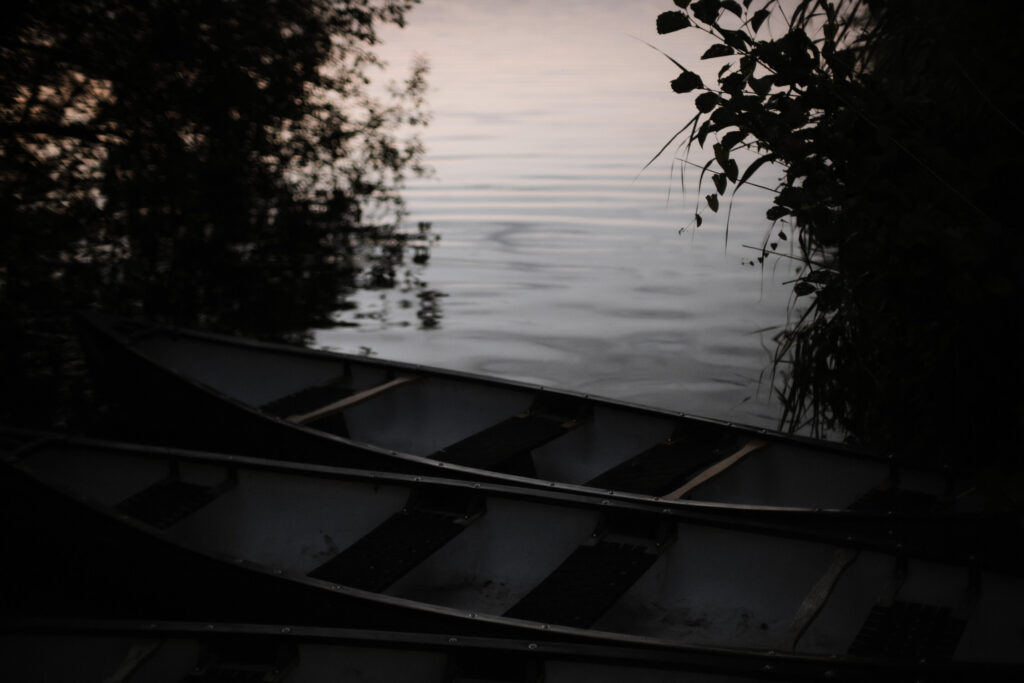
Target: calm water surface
x,y
556,263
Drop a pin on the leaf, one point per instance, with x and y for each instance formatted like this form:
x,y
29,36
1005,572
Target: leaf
x,y
733,6
702,134
747,65
733,84
756,164
776,212
732,138
706,10
721,154
712,202
717,50
731,169
682,4
721,182
706,102
736,39
782,236
803,288
758,19
672,21
697,218
762,86
687,82
724,118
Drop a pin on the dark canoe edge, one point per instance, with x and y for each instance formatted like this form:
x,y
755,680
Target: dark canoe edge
x,y
971,540
100,330
743,663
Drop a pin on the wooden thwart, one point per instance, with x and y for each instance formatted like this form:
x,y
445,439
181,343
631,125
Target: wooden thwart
x,y
717,468
817,597
348,401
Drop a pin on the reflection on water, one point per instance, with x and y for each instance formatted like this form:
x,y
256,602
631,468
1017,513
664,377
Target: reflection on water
x,y
560,265
199,164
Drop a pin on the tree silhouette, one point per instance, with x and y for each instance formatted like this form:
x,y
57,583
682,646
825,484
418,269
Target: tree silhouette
x,y
897,129
211,162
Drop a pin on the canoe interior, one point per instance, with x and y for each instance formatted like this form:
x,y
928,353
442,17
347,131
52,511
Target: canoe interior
x,y
493,552
549,436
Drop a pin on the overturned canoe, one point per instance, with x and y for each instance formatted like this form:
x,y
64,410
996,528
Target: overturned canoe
x,y
125,531
213,392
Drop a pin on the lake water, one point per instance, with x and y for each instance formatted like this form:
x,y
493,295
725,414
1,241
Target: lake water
x,y
557,264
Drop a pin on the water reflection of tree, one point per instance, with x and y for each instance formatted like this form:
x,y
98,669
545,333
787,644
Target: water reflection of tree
x,y
214,163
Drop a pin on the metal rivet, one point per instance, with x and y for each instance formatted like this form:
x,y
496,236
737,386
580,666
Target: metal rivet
x,y
532,646
286,629
452,641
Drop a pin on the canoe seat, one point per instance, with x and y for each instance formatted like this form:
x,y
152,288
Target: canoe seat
x,y
665,466
496,666
597,573
507,446
909,630
242,660
402,541
167,502
887,497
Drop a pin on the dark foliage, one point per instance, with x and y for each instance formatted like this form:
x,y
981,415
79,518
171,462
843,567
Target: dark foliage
x,y
220,163
897,130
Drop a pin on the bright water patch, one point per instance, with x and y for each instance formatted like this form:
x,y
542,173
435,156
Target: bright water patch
x,y
557,264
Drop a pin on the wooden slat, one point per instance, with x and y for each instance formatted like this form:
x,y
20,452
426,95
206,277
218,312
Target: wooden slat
x,y
817,597
716,469
348,401
136,656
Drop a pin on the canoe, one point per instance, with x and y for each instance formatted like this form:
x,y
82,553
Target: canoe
x,y
113,530
213,392
71,651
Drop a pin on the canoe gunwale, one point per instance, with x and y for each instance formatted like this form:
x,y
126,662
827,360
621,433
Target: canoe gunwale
x,y
846,528
756,664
